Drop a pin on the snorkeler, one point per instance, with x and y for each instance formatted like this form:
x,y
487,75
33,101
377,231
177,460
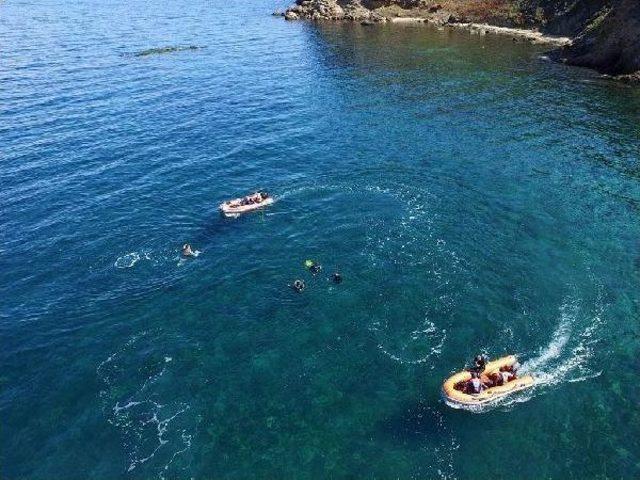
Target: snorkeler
x,y
336,278
313,267
187,251
298,286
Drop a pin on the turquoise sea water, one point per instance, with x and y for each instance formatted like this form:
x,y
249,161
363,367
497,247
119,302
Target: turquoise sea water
x,y
474,196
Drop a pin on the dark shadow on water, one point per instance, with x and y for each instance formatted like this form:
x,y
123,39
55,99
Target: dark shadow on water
x,y
412,424
163,50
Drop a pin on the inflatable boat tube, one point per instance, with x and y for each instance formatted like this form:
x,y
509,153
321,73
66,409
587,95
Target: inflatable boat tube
x,y
234,208
487,395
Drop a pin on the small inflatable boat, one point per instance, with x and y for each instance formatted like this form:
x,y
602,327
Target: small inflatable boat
x,y
238,206
459,397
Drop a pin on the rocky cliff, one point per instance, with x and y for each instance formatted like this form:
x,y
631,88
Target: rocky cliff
x,y
609,42
605,33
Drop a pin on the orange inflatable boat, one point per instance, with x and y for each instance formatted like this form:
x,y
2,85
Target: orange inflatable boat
x,y
238,206
459,397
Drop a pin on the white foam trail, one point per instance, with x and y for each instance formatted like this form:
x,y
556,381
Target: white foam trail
x,y
182,259
153,426
555,347
127,261
428,337
566,358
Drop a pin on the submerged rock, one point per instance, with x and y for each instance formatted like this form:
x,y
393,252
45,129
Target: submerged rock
x,y
163,50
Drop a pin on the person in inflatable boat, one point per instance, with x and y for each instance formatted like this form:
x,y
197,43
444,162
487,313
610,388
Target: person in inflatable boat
x,y
480,381
474,386
257,197
504,376
479,362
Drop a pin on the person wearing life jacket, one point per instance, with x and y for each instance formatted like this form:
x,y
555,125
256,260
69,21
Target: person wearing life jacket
x,y
479,363
509,373
474,386
496,379
315,268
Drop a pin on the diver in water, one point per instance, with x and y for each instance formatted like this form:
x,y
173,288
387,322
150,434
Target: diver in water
x,y
314,268
187,251
298,286
336,278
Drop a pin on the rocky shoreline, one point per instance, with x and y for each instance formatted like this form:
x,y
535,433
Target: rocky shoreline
x,y
600,34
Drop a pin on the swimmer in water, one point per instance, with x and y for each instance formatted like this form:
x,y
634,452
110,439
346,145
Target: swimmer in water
x,y
336,278
298,286
187,251
315,269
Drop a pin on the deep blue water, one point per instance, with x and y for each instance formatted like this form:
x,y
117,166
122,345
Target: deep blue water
x,y
473,195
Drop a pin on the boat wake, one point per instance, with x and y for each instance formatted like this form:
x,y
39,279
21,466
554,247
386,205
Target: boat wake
x,y
156,432
567,358
407,241
403,239
419,347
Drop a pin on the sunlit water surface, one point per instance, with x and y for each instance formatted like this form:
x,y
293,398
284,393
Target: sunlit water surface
x,y
474,196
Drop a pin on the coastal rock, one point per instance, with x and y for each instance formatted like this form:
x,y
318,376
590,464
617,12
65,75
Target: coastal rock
x,y
441,18
610,43
606,33
317,10
630,78
349,10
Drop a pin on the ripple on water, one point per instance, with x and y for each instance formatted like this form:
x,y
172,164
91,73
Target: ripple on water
x,y
138,399
568,357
